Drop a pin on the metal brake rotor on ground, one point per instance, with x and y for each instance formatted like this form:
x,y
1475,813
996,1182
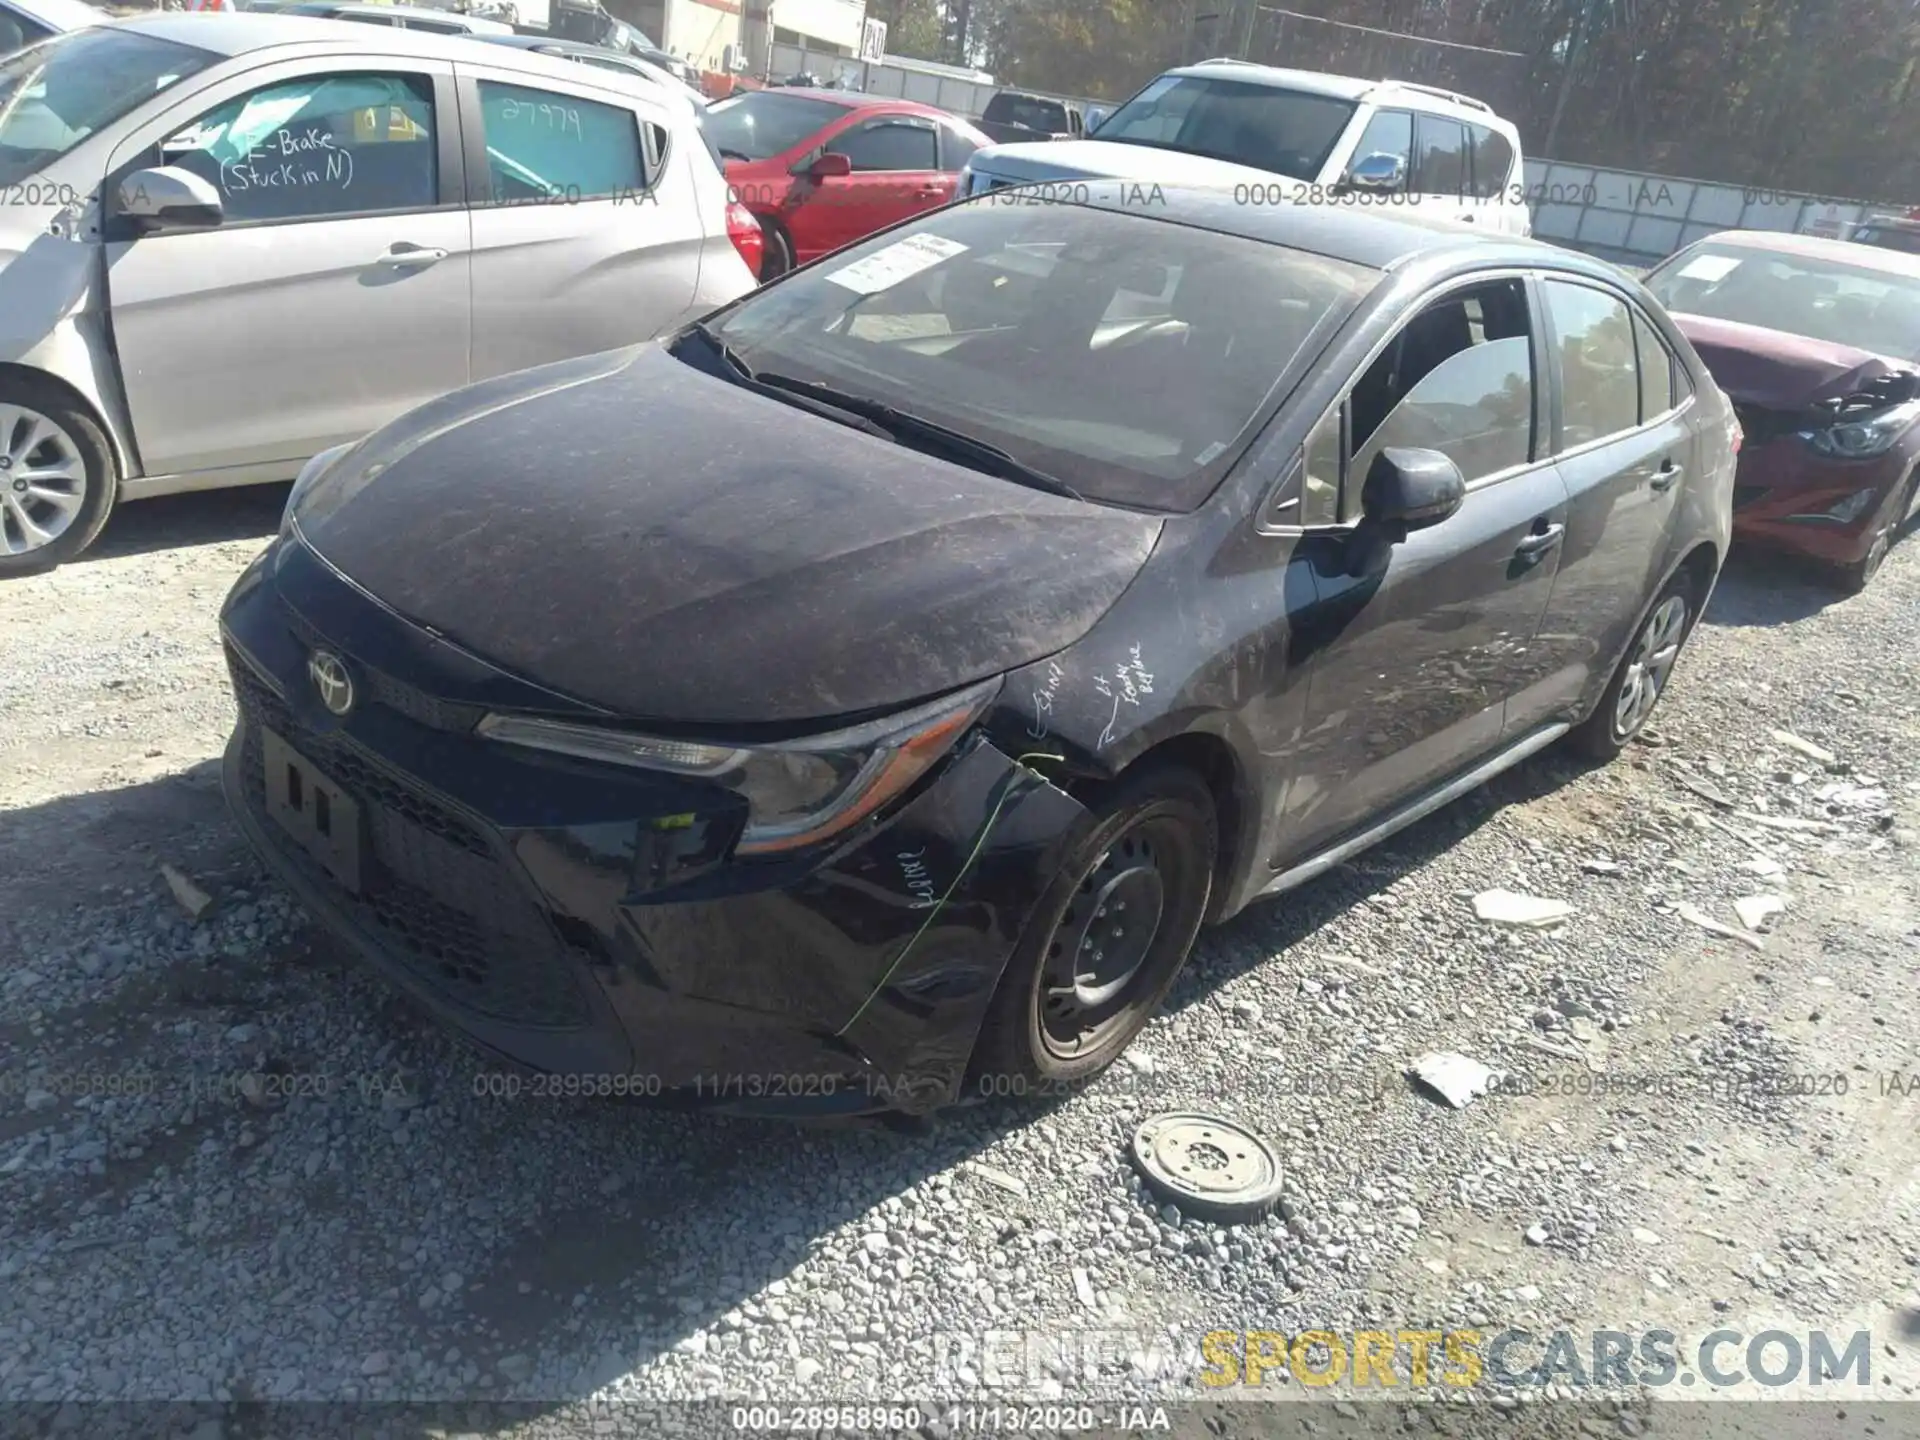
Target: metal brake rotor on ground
x,y
1209,1167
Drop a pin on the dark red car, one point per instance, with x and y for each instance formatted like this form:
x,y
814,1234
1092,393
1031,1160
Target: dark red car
x,y
821,169
1817,343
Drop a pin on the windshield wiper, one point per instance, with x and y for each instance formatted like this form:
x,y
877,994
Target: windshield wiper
x,y
932,436
726,154
794,392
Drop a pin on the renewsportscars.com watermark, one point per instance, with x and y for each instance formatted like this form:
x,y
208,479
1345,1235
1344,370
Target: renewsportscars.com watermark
x,y
1229,1363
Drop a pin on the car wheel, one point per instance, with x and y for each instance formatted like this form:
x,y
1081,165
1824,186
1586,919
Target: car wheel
x,y
1855,577
1641,678
58,480
1107,939
778,258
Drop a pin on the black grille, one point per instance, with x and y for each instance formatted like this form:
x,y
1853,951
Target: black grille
x,y
433,887
383,689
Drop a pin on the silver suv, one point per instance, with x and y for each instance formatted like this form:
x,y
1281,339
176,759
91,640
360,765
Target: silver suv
x,y
234,241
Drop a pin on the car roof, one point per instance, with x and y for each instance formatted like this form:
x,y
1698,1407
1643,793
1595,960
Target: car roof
x,y
1349,87
62,14
854,100
1819,247
1378,239
241,32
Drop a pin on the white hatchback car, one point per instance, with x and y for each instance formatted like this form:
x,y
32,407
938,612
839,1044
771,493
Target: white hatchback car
x,y
235,240
1293,136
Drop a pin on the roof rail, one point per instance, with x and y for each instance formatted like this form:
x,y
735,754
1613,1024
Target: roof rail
x,y
1226,60
1455,96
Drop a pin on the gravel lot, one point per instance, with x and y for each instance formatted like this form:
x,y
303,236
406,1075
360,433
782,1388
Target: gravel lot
x,y
389,1234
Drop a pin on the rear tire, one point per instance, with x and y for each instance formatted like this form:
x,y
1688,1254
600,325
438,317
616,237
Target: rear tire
x,y
58,479
778,257
1073,995
1642,676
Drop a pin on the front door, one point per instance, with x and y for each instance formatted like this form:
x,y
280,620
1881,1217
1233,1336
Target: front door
x,y
334,295
1413,659
896,175
587,234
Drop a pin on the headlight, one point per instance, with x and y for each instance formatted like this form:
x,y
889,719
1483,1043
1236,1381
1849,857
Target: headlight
x,y
798,793
1859,439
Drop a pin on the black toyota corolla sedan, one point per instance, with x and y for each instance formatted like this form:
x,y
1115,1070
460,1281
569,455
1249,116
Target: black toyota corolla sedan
x,y
859,700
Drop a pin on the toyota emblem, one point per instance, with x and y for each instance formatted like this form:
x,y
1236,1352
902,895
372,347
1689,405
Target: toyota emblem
x,y
331,680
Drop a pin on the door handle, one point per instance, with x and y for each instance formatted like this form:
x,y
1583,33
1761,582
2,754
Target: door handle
x,y
404,254
1664,477
1540,542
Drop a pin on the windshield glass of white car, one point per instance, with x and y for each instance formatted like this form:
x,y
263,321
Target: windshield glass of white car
x,y
1289,132
56,94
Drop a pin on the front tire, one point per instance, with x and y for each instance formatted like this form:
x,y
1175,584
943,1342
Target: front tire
x,y
1109,937
58,480
1642,676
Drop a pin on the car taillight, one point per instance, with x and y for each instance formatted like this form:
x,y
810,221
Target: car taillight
x,y
1738,436
747,237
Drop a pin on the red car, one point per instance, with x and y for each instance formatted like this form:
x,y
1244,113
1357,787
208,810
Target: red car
x,y
823,168
1817,343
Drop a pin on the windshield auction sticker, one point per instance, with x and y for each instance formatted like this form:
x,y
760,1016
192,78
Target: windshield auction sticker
x,y
902,260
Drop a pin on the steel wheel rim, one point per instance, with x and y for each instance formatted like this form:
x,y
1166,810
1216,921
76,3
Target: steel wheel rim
x,y
43,480
1101,945
1649,664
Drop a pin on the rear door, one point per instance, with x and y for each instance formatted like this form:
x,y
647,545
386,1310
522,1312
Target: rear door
x,y
586,233
896,175
334,296
1441,168
1496,196
1622,443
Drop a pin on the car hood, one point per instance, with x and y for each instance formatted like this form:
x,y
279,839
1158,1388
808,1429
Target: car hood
x,y
1782,371
637,534
1107,159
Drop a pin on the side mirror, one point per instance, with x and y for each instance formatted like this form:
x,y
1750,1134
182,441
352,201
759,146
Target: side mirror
x,y
830,166
166,197
1407,490
1095,117
1377,172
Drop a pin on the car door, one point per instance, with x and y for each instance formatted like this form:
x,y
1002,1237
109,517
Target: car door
x,y
1622,443
1495,188
587,234
1387,132
333,295
1414,658
896,175
1440,167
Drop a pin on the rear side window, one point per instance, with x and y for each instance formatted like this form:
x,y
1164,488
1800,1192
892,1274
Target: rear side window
x,y
956,149
1441,168
1389,132
1599,380
890,145
542,145
1657,395
1492,161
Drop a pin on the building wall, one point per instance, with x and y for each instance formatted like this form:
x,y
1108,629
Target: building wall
x,y
834,23
701,30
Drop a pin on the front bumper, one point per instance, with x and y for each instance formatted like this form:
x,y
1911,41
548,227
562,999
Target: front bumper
x,y
584,921
1783,478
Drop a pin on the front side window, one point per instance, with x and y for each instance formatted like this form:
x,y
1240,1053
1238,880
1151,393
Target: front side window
x,y
1389,132
1859,306
56,94
889,145
1125,357
318,146
1457,379
1441,168
1288,132
764,123
1599,380
541,145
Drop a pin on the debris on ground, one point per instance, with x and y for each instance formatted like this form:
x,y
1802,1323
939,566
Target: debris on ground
x,y
1009,1183
1763,867
1694,915
1510,907
1600,865
1791,822
1713,794
1844,796
195,901
1207,1166
1455,1078
1805,747
1756,910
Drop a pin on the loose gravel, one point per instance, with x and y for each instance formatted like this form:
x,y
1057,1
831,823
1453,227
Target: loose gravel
x,y
234,1166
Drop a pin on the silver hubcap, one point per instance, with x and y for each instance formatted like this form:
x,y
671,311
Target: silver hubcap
x,y
43,480
1650,664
